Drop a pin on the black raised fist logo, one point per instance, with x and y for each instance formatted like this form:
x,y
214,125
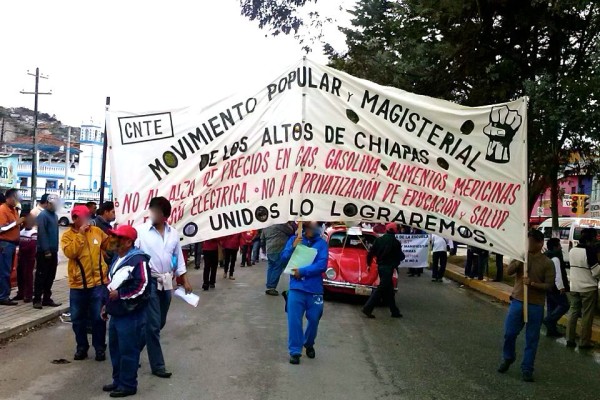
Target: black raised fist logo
x,y
504,124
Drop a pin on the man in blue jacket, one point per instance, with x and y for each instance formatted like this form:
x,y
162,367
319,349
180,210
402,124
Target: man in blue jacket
x,y
306,293
128,293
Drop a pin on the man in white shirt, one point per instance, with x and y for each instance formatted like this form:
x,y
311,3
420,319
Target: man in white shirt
x,y
440,257
161,242
557,303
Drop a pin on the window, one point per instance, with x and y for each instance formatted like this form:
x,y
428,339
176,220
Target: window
x,y
51,184
352,242
563,232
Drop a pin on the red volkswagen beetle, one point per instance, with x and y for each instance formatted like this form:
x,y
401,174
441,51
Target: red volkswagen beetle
x,y
347,270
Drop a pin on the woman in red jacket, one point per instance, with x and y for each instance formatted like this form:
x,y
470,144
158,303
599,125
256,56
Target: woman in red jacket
x,y
210,249
231,245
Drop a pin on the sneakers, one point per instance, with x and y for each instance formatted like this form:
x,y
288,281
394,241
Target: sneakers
x,y
231,278
272,292
528,377
295,359
505,366
225,275
310,352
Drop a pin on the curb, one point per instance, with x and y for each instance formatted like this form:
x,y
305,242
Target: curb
x,y
11,332
502,291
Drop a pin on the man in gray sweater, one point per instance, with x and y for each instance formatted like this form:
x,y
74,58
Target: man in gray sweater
x,y
47,255
275,237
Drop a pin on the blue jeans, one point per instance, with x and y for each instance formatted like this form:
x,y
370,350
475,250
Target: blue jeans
x,y
298,304
513,326
124,336
86,304
7,254
275,267
156,318
255,251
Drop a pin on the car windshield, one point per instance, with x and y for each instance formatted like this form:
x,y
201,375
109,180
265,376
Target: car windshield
x,y
337,239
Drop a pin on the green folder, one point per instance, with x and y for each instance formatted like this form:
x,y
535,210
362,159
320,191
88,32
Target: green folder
x,y
302,256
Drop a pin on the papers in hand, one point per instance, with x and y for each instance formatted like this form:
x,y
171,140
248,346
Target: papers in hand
x,y
301,257
192,299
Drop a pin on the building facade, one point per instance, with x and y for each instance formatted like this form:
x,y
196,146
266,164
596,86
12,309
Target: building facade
x,y
89,174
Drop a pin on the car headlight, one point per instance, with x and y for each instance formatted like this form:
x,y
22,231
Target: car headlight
x,y
330,273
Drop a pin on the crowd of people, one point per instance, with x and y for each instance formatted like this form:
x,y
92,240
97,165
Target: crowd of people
x,y
121,279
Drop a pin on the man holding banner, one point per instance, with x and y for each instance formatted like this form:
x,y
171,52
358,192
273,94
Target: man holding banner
x,y
539,280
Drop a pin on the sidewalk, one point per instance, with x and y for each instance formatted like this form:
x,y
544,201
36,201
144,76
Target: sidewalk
x,y
17,319
501,291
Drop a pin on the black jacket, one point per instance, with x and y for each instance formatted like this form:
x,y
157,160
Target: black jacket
x,y
388,251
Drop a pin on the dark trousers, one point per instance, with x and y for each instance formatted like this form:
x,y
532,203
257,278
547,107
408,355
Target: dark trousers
x,y
415,271
440,259
230,256
211,262
469,270
384,291
557,305
156,318
7,254
476,264
45,274
25,268
247,254
86,305
124,336
499,268
197,255
255,251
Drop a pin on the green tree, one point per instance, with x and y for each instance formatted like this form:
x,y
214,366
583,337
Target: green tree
x,y
477,52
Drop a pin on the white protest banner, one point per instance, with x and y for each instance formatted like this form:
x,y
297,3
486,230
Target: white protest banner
x,y
319,144
415,249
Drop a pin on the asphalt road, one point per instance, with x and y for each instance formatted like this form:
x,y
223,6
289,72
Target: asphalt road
x,y
233,346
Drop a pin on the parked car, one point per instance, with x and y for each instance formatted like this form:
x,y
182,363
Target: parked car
x,y
347,270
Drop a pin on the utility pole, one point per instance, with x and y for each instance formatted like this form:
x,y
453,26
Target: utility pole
x,y
67,161
104,151
34,159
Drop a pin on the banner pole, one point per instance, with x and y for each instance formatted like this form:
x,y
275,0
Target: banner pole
x,y
526,208
303,115
104,151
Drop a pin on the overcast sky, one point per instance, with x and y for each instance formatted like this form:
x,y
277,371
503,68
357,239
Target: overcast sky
x,y
145,55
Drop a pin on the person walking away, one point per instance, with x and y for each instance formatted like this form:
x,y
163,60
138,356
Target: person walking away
x,y
231,246
26,262
557,303
10,226
197,255
126,303
82,244
275,238
540,280
584,289
439,248
388,252
246,239
47,255
160,241
256,247
306,293
210,248
499,267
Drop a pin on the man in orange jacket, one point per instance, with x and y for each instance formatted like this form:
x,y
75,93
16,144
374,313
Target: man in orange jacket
x,y
83,245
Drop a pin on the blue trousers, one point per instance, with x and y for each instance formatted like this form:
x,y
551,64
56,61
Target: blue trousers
x,y
275,268
298,304
124,336
7,254
255,251
513,326
156,318
86,305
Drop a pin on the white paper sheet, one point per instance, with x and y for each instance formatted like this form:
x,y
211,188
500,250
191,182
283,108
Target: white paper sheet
x,y
192,299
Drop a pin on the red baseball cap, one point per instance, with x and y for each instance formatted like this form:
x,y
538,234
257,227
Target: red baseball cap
x,y
126,231
391,226
80,211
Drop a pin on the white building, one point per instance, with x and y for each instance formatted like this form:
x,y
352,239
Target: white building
x,y
89,170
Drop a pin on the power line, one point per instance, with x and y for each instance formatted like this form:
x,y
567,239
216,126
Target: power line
x,y
36,93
